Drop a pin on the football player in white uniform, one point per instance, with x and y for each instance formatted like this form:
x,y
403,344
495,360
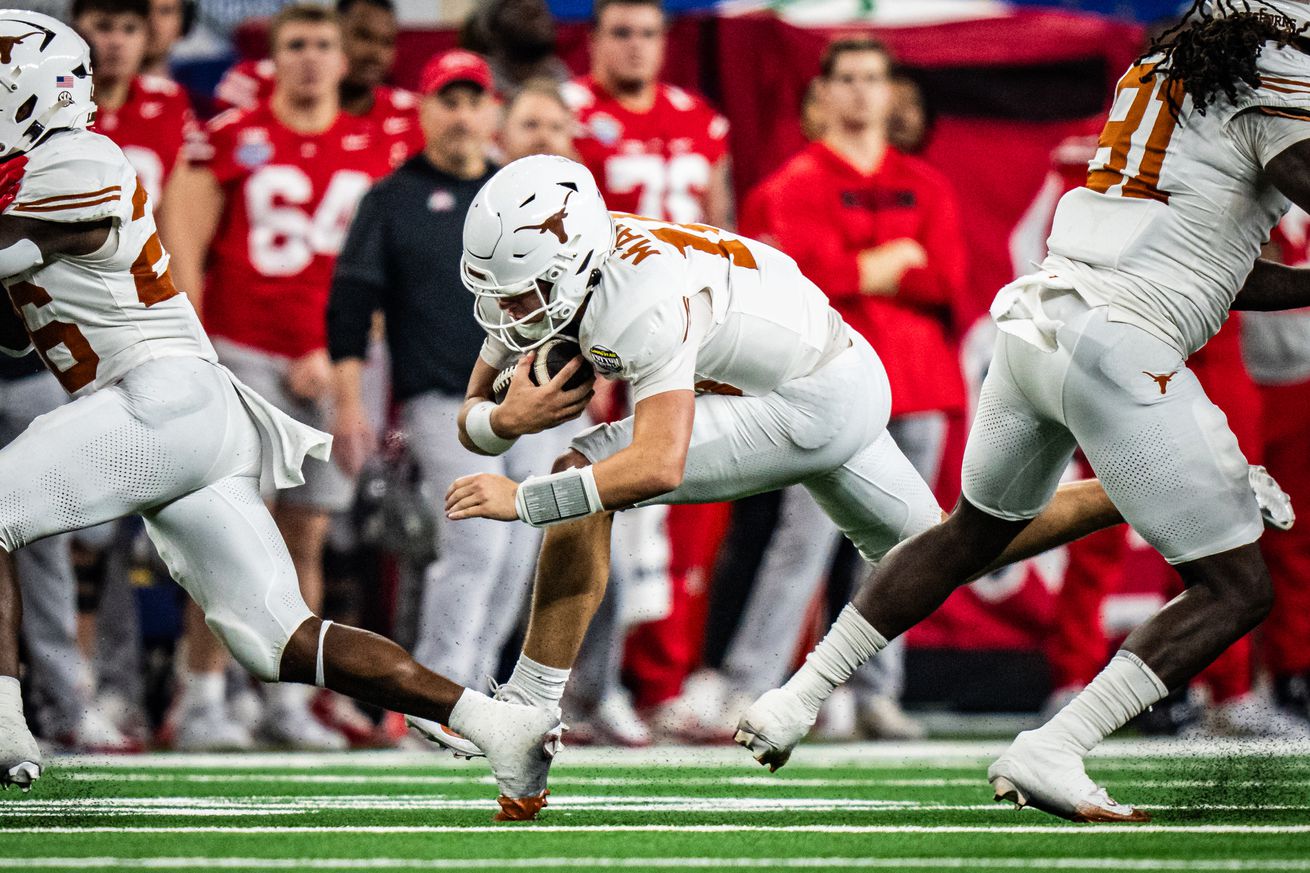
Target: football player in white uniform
x,y
744,380
158,428
1208,138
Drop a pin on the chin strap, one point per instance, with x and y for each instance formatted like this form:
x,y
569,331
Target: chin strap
x,y
318,660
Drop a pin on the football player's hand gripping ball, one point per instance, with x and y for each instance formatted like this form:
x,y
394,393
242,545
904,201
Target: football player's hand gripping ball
x,y
530,408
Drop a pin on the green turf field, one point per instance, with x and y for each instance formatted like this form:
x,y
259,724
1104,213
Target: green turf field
x,y
916,807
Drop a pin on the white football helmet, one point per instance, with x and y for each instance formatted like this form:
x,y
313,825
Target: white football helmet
x,y
45,79
538,226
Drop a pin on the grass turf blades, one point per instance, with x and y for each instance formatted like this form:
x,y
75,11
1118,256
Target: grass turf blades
x,y
921,807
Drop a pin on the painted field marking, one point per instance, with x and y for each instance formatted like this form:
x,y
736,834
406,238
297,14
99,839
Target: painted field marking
x,y
971,863
239,807
655,779
1119,830
890,754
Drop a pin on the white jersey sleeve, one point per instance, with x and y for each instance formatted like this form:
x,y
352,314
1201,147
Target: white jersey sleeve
x,y
664,345
75,182
1267,133
636,324
94,317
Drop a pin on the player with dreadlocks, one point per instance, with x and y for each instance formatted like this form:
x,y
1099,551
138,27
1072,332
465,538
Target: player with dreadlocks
x,y
1207,140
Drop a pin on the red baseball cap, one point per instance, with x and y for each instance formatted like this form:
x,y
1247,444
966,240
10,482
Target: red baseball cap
x,y
453,66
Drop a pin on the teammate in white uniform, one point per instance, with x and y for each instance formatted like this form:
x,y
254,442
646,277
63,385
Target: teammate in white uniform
x,y
158,427
744,380
1195,165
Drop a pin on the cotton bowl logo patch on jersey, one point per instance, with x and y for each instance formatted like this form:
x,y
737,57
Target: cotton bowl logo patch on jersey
x,y
441,201
254,150
606,128
606,360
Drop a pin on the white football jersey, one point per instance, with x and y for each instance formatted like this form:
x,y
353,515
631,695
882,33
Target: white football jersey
x,y
1176,209
692,307
94,317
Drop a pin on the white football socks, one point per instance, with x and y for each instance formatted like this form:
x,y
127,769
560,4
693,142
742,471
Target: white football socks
x,y
287,697
849,643
11,696
201,690
1123,689
471,712
541,685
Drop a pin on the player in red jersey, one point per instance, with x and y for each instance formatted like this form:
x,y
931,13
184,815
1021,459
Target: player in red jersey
x,y
266,200
146,116
655,149
169,22
368,31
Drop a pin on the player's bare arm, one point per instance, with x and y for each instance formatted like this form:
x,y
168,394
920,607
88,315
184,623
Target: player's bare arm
x,y
193,204
1274,286
652,465
882,266
45,240
719,199
352,434
527,408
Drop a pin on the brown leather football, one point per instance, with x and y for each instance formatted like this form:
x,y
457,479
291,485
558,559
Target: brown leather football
x,y
552,356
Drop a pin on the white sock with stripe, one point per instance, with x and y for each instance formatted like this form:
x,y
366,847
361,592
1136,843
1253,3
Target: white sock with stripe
x,y
1123,689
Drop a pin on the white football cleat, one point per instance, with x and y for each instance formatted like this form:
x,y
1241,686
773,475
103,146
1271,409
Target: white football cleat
x,y
296,728
617,721
772,727
519,742
1275,504
458,744
1250,715
1044,775
209,728
882,718
20,756
461,746
96,734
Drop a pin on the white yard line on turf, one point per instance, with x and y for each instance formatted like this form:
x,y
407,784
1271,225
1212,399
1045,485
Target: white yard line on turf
x,y
972,863
1119,830
881,754
260,806
656,779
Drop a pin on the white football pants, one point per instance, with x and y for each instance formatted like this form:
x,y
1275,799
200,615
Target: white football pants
x,y
1160,447
826,431
174,443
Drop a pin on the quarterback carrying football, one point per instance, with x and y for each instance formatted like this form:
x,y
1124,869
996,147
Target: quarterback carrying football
x,y
159,429
744,380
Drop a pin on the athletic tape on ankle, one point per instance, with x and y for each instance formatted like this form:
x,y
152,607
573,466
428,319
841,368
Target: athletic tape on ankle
x,y
318,659
477,424
570,494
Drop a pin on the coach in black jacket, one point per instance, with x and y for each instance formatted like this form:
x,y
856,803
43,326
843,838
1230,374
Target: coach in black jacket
x,y
401,257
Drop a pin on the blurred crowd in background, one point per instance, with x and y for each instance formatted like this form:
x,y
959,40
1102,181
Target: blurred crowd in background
x,y
313,212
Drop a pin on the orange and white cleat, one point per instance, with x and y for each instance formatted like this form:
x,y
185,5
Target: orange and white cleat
x,y
519,741
435,732
1044,775
520,808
